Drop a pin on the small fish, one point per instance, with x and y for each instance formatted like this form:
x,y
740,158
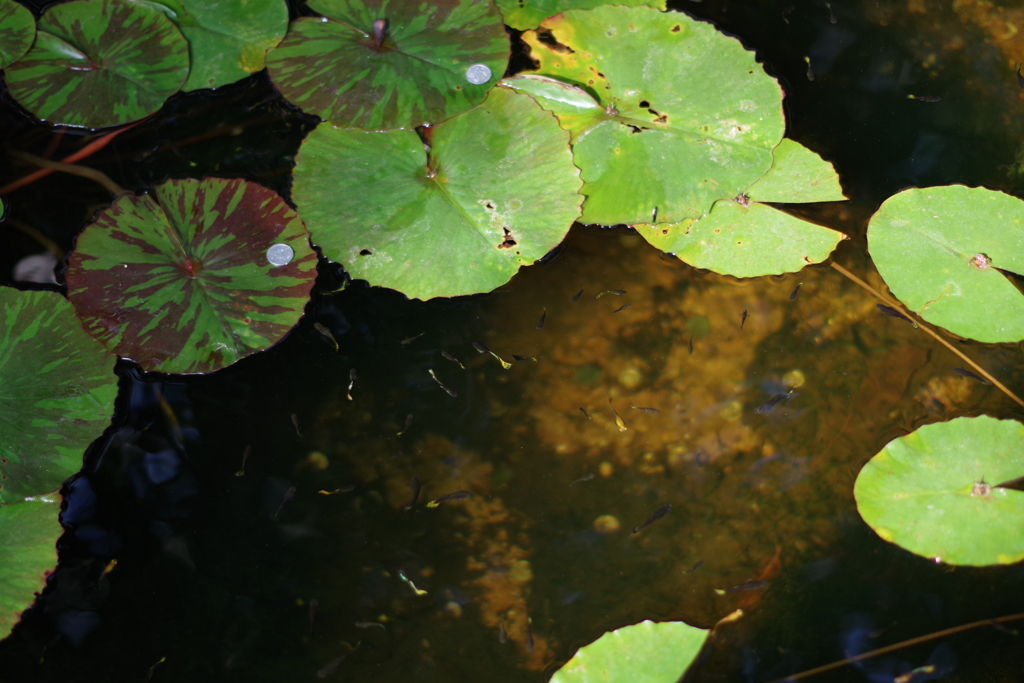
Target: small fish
x,y
149,674
521,358
585,477
893,313
691,345
649,411
911,675
457,495
415,493
697,565
925,98
577,297
449,391
618,420
622,308
585,413
786,12
831,13
795,291
408,423
502,633
655,516
370,624
529,635
540,323
964,372
295,421
480,348
743,318
775,400
314,607
1020,79
331,667
410,340
288,495
327,333
351,381
757,584
616,292
412,585
810,71
245,456
448,356
106,570
343,489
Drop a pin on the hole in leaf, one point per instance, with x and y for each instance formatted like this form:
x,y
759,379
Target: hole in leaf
x,y
547,38
366,252
509,242
644,104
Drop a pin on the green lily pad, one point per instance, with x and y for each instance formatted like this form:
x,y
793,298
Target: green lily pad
x,y
744,241
684,115
227,40
28,553
797,175
184,279
941,250
57,387
526,14
335,68
496,191
932,491
17,31
100,63
642,653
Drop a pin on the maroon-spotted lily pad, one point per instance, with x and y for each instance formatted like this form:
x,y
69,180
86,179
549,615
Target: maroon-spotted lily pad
x,y
379,65
100,63
57,389
17,31
194,276
29,530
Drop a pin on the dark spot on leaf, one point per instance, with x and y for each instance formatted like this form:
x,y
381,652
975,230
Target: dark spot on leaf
x,y
718,230
490,206
676,28
590,82
458,87
644,104
509,242
662,119
366,252
742,199
547,38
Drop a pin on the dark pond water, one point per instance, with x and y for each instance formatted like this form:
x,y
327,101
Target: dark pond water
x,y
217,563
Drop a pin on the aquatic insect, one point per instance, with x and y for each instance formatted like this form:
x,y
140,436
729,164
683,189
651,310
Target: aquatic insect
x,y
655,516
893,313
757,584
408,423
412,585
327,333
964,372
449,497
577,296
618,420
331,667
415,493
449,391
585,477
351,381
796,291
743,318
622,308
775,400
448,356
585,413
649,411
925,98
295,421
616,292
540,323
245,456
288,495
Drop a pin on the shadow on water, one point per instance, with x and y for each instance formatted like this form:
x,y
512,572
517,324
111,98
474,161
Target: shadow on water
x,y
270,566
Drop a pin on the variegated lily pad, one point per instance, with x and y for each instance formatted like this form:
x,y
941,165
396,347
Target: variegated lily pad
x,y
17,31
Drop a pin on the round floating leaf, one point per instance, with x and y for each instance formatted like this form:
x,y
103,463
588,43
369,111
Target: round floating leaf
x,y
525,14
687,116
182,280
642,653
100,63
932,491
497,190
17,31
57,387
412,68
229,39
797,175
941,249
28,553
744,241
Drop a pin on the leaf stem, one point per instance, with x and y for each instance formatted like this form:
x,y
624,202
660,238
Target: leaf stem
x,y
74,169
933,333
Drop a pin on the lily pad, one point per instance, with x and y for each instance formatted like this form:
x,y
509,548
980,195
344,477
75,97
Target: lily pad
x,y
684,115
17,31
526,14
412,68
744,241
28,553
933,491
647,652
100,63
497,190
941,250
57,387
229,39
797,175
184,279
